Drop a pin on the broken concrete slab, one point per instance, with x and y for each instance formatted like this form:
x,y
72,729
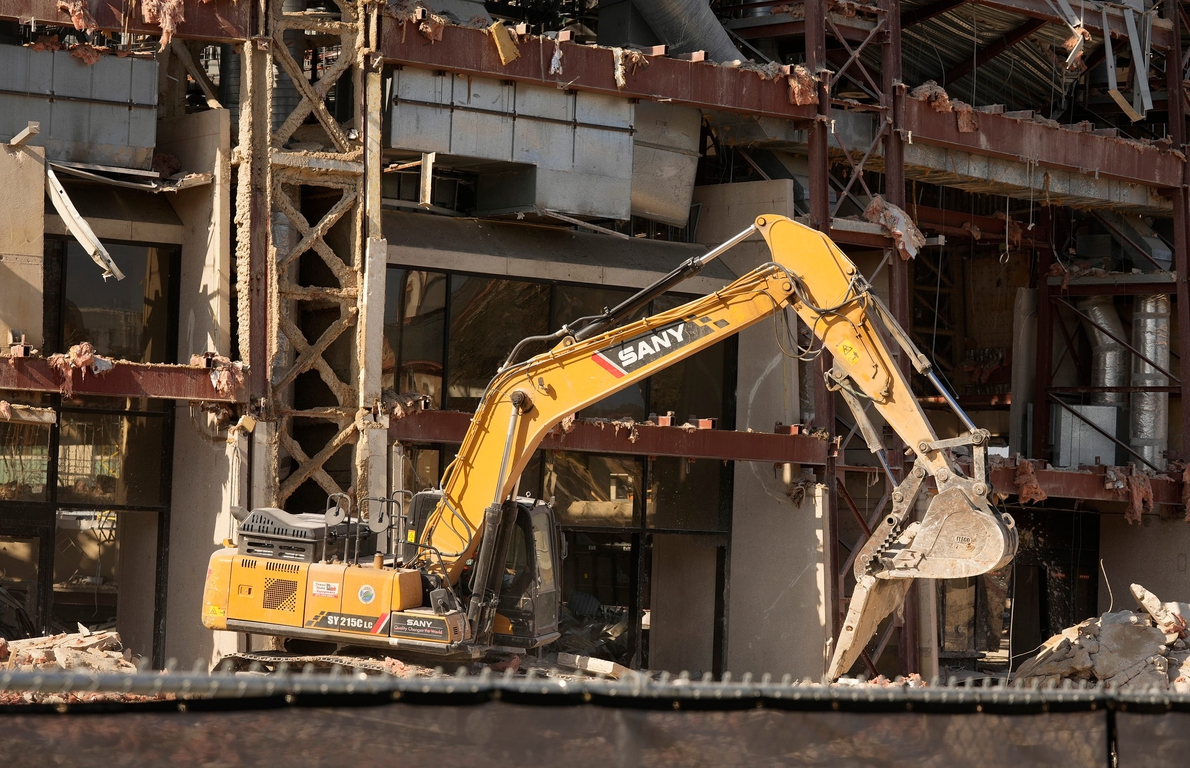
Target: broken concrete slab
x,y
1125,650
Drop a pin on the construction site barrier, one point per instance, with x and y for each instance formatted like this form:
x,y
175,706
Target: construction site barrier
x,y
489,720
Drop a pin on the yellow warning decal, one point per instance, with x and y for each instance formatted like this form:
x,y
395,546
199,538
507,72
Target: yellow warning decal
x,y
411,537
848,352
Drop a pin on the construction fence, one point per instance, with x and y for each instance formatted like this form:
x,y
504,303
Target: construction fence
x,y
148,719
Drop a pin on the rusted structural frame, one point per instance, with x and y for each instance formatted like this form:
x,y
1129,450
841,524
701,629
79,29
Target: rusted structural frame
x,y
125,379
273,235
430,427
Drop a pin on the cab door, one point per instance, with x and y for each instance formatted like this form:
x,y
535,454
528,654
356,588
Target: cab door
x,y
528,612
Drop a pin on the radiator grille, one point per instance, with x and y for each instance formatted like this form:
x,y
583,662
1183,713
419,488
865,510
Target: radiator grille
x,y
284,567
280,595
247,563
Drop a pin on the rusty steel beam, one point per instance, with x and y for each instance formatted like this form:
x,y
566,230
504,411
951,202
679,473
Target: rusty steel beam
x,y
1085,483
640,440
1057,148
153,380
216,21
591,68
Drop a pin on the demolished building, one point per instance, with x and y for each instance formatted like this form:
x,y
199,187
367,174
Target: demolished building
x,y
251,256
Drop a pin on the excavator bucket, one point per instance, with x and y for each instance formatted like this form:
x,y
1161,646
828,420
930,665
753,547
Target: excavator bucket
x,y
958,537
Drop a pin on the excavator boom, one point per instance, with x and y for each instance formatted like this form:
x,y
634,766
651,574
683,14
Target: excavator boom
x,y
293,575
958,536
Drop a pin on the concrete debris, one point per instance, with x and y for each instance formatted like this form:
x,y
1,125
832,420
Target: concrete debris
x,y
45,43
600,667
908,237
796,10
567,426
1125,650
1140,497
93,652
627,61
87,53
505,42
1172,624
1027,488
934,94
400,406
80,15
803,86
81,356
226,376
973,229
5,410
431,28
168,14
965,115
845,8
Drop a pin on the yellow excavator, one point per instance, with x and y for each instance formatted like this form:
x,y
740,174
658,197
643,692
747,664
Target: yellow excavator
x,y
477,568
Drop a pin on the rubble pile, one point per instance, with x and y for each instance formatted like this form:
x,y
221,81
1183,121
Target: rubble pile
x,y
1125,650
82,651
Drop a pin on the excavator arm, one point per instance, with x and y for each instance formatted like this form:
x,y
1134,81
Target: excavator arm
x,y
958,536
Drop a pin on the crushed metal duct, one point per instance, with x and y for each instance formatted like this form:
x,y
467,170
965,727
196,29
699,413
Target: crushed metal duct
x,y
686,26
79,227
1148,430
1108,365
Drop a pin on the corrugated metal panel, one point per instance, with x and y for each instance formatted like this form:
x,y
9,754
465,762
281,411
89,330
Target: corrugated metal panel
x,y
105,113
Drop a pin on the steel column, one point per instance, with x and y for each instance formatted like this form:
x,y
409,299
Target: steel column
x,y
1177,132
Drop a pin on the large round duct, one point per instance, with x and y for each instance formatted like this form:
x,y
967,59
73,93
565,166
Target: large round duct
x,y
1109,368
689,25
1148,432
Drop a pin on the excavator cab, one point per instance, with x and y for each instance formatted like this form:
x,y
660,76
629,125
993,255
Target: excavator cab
x,y
529,584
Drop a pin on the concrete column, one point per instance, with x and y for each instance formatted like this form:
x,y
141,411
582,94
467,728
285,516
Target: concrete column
x,y
22,247
136,574
681,637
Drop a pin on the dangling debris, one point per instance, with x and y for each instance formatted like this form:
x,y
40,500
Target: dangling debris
x,y
627,61
556,61
167,13
803,86
1027,488
934,94
908,237
1140,497
80,15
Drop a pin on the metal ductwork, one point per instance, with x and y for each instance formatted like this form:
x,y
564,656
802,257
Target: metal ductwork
x,y
1148,431
1109,367
686,26
229,87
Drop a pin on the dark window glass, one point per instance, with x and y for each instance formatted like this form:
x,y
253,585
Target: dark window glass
x,y
127,319
394,288
118,403
110,459
692,387
86,567
415,320
487,319
592,489
18,578
571,303
684,495
421,469
24,460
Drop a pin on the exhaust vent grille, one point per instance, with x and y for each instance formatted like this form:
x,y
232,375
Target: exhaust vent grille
x,y
280,595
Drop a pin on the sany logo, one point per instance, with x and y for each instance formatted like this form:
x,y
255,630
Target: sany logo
x,y
633,353
652,345
418,623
